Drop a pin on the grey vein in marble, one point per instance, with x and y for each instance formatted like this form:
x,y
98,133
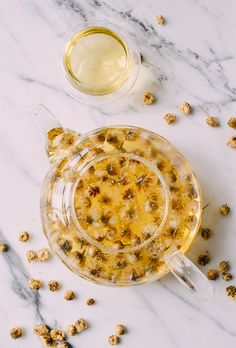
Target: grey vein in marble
x,y
20,276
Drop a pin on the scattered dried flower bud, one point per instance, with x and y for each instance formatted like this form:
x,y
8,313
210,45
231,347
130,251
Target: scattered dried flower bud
x,y
34,284
231,291
232,142
113,340
232,122
47,341
120,329
90,302
206,233
185,108
53,285
148,98
71,330
62,345
224,266
212,274
224,209
41,330
3,248
23,236
160,20
226,276
212,121
31,255
69,295
57,335
170,118
16,332
81,325
203,259
43,255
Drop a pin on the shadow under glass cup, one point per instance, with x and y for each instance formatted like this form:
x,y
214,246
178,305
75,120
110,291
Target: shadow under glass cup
x,y
100,63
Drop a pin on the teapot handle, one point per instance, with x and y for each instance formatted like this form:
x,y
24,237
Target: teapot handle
x,y
45,118
58,139
190,276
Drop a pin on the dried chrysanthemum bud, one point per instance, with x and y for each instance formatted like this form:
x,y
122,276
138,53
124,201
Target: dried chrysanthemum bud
x,y
34,284
81,325
57,335
23,236
160,20
16,332
170,118
185,108
118,245
206,233
47,341
224,266
31,255
3,247
69,295
93,190
226,276
65,245
90,302
212,274
203,259
105,199
71,330
53,285
131,135
41,330
224,209
120,264
92,251
232,142
232,122
111,169
231,291
120,329
128,194
134,276
85,202
43,255
148,98
113,340
212,121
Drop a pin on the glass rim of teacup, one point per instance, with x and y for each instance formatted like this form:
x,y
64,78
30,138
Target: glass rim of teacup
x,y
69,85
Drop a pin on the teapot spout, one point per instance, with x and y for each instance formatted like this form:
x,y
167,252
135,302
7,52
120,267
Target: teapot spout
x,y
58,139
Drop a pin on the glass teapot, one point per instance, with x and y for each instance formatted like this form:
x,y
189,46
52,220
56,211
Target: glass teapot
x,y
120,205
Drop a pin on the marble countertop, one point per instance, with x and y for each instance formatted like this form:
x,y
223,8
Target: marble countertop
x,y
190,58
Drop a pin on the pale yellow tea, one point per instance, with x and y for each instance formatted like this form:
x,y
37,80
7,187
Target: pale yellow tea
x,y
97,61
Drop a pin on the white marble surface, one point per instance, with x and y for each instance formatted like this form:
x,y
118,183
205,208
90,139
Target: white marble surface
x,y
190,58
